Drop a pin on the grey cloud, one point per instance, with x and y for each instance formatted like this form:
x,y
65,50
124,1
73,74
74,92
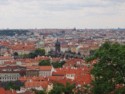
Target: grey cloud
x,y
4,2
60,12
120,1
116,2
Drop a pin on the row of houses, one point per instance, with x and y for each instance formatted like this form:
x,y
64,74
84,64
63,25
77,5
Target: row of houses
x,y
26,47
13,73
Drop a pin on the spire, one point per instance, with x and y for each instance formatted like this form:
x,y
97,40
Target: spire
x,y
57,46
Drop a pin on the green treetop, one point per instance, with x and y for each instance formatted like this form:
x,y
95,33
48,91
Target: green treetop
x,y
109,71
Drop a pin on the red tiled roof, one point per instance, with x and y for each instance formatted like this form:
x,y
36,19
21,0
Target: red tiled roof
x,y
23,79
2,90
72,62
4,43
56,59
45,68
5,58
32,67
11,92
22,47
85,79
69,70
60,79
31,84
81,75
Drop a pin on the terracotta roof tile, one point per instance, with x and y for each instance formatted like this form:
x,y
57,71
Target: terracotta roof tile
x,y
11,92
2,90
46,68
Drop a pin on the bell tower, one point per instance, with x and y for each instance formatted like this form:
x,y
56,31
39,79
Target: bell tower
x,y
57,46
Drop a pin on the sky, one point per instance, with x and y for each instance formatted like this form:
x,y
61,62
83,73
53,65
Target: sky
x,y
29,14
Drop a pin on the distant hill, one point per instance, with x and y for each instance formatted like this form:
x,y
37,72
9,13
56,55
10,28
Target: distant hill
x,y
12,32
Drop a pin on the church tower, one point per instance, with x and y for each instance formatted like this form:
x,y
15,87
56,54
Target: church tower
x,y
57,46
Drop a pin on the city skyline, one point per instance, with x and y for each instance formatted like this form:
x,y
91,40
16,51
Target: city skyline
x,y
25,14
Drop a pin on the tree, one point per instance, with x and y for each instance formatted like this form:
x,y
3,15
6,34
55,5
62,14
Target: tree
x,y
61,89
44,63
109,71
92,52
15,54
57,89
24,55
39,91
58,64
39,52
69,88
31,55
12,85
83,89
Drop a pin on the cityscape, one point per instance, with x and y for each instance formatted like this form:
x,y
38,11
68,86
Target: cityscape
x,y
62,47
39,58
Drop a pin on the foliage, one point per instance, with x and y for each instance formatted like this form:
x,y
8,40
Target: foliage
x,y
57,89
44,63
92,52
48,63
39,91
37,52
61,89
24,55
15,54
83,89
110,68
58,64
53,53
12,85
69,88
31,55
120,91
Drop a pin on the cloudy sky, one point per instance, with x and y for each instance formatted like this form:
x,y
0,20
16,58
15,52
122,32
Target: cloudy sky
x,y
62,13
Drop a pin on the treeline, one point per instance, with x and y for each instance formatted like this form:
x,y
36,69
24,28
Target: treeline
x,y
12,85
37,52
12,32
54,64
